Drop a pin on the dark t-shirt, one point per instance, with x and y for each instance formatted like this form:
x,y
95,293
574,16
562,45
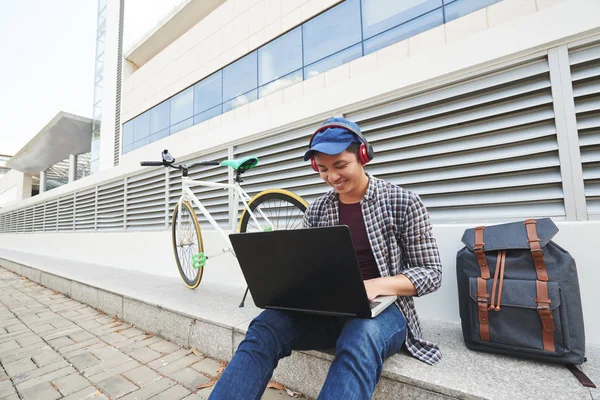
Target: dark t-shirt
x,y
351,215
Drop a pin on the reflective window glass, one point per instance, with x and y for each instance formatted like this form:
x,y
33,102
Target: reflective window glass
x,y
159,117
181,125
240,77
381,15
208,93
208,114
182,106
331,62
239,101
332,31
141,126
279,84
128,148
280,57
411,28
159,135
459,8
141,143
127,135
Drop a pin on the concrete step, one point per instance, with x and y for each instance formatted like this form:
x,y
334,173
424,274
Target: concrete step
x,y
209,319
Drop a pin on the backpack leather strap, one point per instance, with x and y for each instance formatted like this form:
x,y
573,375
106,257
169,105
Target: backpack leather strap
x,y
482,294
541,285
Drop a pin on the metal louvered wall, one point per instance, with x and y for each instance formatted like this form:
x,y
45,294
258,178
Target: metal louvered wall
x,y
485,148
585,75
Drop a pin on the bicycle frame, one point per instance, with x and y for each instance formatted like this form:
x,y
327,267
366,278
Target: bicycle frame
x,y
238,194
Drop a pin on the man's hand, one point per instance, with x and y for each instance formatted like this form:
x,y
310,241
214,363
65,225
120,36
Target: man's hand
x,y
398,285
372,288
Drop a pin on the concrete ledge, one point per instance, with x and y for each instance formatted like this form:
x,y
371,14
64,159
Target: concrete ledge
x,y
210,320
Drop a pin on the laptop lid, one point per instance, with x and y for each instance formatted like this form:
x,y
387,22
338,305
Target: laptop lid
x,y
313,269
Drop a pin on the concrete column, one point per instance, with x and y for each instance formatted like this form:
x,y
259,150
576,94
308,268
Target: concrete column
x,y
42,181
72,167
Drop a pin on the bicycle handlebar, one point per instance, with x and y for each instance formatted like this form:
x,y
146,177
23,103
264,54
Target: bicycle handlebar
x,y
168,161
151,163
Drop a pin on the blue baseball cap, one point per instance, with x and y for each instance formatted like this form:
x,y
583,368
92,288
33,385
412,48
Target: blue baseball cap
x,y
333,140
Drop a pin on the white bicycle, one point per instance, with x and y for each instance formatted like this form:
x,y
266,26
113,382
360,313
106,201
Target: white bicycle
x,y
272,209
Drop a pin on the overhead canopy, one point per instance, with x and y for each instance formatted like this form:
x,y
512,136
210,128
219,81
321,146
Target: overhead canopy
x,y
65,134
180,20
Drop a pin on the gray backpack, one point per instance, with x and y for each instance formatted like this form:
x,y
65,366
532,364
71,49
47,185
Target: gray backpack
x,y
519,293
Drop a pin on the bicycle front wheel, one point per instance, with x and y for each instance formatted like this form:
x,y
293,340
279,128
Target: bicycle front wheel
x,y
273,209
187,242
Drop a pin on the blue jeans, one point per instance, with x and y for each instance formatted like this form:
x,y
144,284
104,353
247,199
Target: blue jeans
x,y
361,347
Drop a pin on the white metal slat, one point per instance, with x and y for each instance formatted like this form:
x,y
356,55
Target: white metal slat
x,y
51,216
585,73
145,200
110,210
85,210
66,214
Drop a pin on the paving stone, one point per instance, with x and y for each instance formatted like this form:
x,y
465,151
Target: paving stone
x,y
46,378
207,366
18,367
272,394
84,360
89,324
189,378
88,393
29,340
55,366
99,377
43,391
46,358
71,384
42,328
168,359
61,342
176,392
9,345
81,336
113,338
165,347
179,364
142,375
201,394
145,355
147,341
152,389
131,332
6,388
116,386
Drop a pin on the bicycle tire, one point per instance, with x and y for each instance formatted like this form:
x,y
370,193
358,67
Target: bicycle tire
x,y
283,208
187,241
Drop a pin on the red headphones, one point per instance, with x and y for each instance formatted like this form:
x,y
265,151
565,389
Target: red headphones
x,y
365,151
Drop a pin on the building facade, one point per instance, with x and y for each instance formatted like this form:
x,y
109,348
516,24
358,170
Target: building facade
x,y
488,109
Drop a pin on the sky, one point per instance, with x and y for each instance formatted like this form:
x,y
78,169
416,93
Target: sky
x,y
47,50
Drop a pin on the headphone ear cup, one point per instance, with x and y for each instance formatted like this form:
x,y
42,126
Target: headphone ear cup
x,y
313,163
363,154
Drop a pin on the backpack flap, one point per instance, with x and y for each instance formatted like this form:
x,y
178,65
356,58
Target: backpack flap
x,y
510,236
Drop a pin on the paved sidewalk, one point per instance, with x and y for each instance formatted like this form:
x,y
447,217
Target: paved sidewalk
x,y
52,347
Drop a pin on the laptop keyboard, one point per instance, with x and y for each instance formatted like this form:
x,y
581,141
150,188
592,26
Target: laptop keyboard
x,y
374,304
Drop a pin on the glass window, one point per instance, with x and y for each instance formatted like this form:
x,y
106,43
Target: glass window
x,y
128,148
411,28
280,57
127,136
331,62
240,77
141,126
381,15
208,114
239,101
182,106
159,135
281,83
159,117
208,92
459,8
141,143
182,125
332,31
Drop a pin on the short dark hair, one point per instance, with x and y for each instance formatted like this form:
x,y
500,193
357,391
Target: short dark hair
x,y
353,148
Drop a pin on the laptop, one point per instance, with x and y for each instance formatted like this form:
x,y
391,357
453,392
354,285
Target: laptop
x,y
312,270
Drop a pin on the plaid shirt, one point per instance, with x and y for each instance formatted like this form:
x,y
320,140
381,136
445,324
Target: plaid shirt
x,y
400,236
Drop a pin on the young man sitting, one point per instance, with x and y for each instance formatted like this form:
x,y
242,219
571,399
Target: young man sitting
x,y
397,255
